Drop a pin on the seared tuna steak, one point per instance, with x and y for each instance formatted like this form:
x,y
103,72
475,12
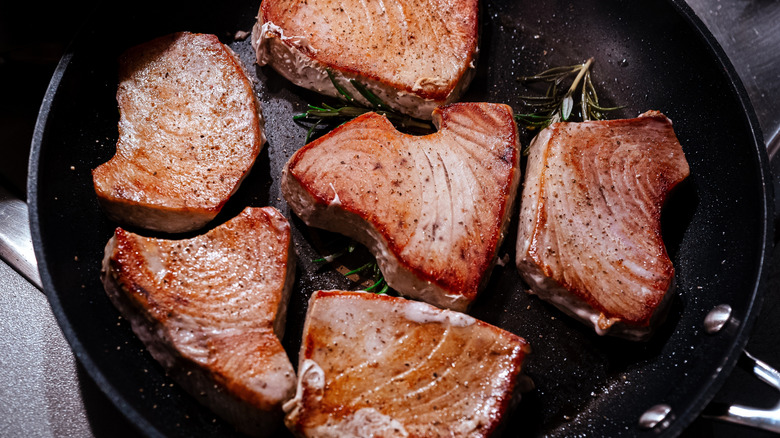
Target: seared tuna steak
x,y
189,131
211,310
589,234
415,55
432,209
381,366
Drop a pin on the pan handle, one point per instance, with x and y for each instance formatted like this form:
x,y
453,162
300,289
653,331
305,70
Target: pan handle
x,y
763,419
16,246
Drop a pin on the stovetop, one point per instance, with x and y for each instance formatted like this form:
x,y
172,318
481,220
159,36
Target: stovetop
x,y
43,391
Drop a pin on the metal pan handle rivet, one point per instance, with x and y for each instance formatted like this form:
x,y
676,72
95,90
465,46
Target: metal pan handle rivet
x,y
717,318
657,416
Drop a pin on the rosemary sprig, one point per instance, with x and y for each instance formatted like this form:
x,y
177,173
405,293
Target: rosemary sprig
x,y
372,267
556,107
327,117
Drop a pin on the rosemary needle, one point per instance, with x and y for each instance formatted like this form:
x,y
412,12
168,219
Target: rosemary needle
x,y
360,269
330,258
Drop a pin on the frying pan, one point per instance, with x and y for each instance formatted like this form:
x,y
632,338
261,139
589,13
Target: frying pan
x,y
648,55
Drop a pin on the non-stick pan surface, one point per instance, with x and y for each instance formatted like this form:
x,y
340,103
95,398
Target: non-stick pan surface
x,y
648,55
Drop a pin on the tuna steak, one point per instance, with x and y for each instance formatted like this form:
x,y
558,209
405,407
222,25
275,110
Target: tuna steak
x,y
375,365
589,234
211,310
415,55
432,209
189,131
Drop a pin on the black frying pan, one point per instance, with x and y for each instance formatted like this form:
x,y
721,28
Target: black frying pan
x,y
648,55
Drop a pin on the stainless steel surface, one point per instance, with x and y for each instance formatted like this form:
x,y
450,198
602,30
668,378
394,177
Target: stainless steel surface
x,y
749,32
16,246
40,394
44,394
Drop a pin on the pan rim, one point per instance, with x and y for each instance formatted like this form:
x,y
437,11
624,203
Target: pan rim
x,y
80,351
729,360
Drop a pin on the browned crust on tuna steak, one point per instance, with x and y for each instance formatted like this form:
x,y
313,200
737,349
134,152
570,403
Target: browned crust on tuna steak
x,y
376,365
189,131
415,55
211,310
433,209
590,223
